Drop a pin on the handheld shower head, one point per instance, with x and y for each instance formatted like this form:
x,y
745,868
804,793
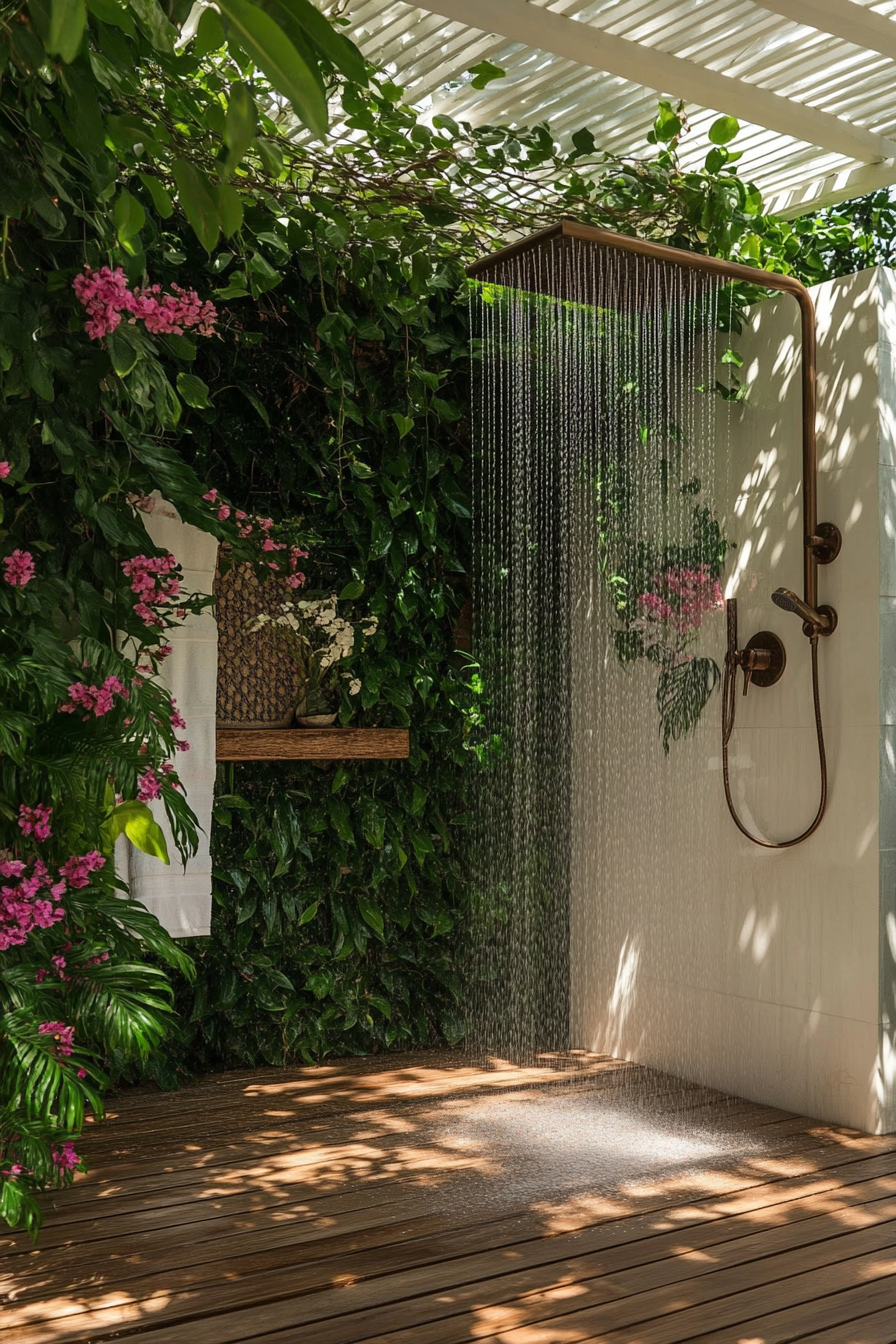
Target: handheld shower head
x,y
820,622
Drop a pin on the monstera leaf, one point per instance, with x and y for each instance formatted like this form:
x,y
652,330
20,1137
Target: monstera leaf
x,y
681,695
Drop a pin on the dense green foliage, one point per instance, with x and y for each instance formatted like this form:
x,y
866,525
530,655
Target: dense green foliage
x,y
337,393
87,737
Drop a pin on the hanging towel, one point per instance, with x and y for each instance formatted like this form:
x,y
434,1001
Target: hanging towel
x,y
181,897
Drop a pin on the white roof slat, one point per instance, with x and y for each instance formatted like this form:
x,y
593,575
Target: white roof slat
x,y
810,80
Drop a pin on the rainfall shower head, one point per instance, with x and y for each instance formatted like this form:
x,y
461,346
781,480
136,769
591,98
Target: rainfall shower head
x,y
820,622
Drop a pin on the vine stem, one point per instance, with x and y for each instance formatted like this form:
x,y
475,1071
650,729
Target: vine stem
x,y
3,247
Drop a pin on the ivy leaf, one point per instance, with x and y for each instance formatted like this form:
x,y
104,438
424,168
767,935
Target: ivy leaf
x,y
67,21
308,914
230,210
193,390
484,73
351,591
583,141
265,41
371,914
197,199
161,199
239,125
403,423
723,129
129,217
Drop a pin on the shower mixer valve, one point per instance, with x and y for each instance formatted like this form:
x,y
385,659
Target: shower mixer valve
x,y
763,657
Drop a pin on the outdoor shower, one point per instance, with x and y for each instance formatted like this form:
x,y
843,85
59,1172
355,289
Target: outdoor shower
x,y
556,266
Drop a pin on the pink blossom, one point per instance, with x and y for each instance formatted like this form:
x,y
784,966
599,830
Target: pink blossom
x,y
65,1157
149,786
182,745
5,469
295,580
211,496
35,821
153,583
164,651
177,719
224,512
22,906
98,700
63,1036
78,868
18,568
105,295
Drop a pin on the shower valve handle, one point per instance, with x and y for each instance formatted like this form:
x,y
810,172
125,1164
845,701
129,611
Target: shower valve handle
x,y
763,657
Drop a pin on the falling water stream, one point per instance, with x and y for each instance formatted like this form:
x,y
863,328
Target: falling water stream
x,y
597,558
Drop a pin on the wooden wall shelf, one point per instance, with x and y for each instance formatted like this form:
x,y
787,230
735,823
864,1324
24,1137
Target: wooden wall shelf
x,y
313,744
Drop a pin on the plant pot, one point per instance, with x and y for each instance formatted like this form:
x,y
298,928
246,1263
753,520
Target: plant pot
x,y
315,720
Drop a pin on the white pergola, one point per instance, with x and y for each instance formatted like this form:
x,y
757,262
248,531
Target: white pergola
x,y
813,82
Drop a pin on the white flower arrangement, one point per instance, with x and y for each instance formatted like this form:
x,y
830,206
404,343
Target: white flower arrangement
x,y
318,640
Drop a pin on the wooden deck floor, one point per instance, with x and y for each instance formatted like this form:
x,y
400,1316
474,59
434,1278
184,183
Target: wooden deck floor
x,y
332,1205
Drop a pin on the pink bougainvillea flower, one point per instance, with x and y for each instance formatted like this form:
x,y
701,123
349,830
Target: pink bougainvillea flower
x,y
78,868
5,469
211,496
149,786
35,821
18,568
65,1157
106,296
63,1035
98,700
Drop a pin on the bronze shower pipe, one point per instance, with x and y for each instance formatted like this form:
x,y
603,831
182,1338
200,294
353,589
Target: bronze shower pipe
x,y
813,544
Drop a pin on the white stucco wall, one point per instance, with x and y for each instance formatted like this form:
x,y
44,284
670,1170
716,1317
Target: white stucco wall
x,y
767,974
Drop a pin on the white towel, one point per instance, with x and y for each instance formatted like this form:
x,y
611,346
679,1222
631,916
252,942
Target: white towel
x,y
181,896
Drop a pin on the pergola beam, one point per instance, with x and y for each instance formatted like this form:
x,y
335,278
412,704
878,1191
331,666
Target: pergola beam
x,y
841,18
544,30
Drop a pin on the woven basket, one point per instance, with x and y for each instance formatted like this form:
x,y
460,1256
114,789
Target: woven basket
x,y
257,680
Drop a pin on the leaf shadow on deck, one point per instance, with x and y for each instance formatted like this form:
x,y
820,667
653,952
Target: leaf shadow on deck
x,y
433,1198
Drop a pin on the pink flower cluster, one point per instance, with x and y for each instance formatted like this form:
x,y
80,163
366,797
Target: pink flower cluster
x,y
18,568
63,1036
682,597
98,700
5,469
22,906
78,868
35,821
65,1157
105,295
152,582
149,786
247,527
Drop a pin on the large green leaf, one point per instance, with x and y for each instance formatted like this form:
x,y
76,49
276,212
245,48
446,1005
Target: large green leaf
x,y
239,125
335,45
136,821
264,40
67,22
198,202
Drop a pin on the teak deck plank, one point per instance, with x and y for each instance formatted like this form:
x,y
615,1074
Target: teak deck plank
x,y
295,1207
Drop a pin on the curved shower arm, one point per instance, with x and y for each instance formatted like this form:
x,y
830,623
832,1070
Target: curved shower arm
x,y
816,547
